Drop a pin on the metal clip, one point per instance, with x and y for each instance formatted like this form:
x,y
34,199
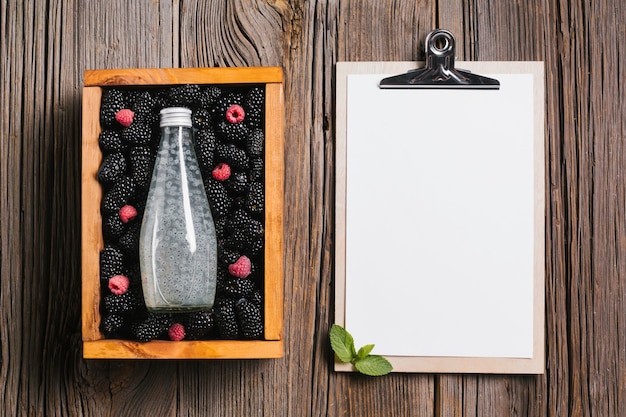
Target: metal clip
x,y
439,71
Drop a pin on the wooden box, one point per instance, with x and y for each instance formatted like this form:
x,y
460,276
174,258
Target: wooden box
x,y
95,345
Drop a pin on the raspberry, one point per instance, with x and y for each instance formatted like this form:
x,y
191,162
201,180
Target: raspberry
x,y
118,284
176,332
235,113
221,172
127,213
250,318
111,168
199,324
125,117
241,268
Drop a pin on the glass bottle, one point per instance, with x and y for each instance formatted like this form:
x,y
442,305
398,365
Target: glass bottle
x,y
177,243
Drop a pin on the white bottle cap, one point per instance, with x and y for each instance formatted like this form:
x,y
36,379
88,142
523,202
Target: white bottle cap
x,y
175,116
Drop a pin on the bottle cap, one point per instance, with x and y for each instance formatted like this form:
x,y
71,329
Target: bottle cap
x,y
175,116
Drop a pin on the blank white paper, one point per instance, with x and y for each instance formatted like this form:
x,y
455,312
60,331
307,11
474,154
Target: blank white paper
x,y
439,219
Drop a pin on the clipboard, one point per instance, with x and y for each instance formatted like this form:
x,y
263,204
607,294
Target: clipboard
x,y
440,214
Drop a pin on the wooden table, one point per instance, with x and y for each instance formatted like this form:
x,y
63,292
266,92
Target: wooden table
x,y
46,46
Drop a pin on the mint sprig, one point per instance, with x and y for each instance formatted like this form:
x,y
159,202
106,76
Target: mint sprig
x,y
342,344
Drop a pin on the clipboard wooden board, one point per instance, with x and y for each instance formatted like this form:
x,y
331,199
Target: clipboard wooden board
x,y
440,219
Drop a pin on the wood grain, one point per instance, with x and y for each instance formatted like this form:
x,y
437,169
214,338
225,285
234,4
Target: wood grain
x,y
45,48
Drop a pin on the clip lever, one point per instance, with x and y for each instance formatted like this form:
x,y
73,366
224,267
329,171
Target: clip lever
x,y
439,71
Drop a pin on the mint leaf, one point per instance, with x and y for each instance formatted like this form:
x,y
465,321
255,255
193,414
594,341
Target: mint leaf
x,y
364,351
373,365
342,343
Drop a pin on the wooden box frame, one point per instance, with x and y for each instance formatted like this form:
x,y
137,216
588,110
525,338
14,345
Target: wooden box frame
x,y
95,346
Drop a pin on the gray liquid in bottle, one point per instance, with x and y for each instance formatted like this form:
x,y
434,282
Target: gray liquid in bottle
x,y
177,245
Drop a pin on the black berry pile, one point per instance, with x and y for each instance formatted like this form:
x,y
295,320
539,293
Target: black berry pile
x,y
229,142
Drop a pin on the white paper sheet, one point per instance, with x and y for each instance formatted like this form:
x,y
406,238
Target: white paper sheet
x,y
439,219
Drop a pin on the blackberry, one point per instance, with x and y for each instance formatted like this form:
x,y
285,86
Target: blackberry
x,y
242,221
110,141
238,287
218,197
141,163
209,96
233,156
188,95
112,325
255,198
255,142
137,134
201,118
255,98
232,132
237,182
111,168
254,104
228,255
111,262
256,298
112,226
205,143
126,303
257,167
119,195
151,327
250,318
129,241
199,325
245,232
220,225
112,102
145,108
224,102
226,319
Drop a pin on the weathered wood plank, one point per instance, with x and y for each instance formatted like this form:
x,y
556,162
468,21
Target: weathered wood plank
x,y
46,46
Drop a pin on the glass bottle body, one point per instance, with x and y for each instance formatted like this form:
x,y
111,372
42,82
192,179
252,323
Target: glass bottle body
x,y
178,245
